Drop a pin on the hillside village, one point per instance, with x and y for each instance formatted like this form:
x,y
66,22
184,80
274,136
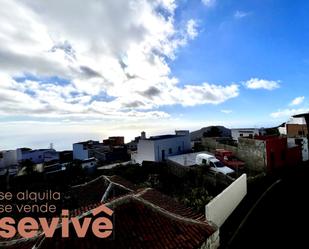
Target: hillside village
x,y
172,185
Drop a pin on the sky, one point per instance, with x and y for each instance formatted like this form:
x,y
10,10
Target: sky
x,y
76,70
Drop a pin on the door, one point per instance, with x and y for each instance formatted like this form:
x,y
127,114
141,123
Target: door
x,y
163,155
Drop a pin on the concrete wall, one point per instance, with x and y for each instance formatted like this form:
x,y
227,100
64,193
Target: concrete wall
x,y
221,207
177,145
296,130
38,156
9,157
244,132
304,144
252,152
79,152
213,242
145,151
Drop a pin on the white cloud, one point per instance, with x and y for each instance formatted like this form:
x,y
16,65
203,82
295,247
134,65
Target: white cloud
x,y
297,101
288,112
240,14
192,28
113,55
256,83
209,3
226,111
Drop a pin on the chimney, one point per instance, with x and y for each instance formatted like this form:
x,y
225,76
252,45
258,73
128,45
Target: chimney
x,y
143,135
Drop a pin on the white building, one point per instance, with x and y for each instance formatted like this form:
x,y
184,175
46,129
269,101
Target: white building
x,y
292,121
246,132
14,157
158,148
37,156
8,158
88,149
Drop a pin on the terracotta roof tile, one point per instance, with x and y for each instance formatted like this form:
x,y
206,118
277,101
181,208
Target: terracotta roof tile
x,y
170,204
139,225
142,219
119,180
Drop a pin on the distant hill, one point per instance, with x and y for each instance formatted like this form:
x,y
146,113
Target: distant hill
x,y
196,135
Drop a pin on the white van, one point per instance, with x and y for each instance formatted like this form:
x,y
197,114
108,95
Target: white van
x,y
212,162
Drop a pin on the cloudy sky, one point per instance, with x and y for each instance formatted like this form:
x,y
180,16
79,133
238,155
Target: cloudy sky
x,y
72,70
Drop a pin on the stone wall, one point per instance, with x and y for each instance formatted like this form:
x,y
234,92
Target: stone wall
x,y
251,151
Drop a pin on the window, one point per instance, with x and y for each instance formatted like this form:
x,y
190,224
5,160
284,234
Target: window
x,y
301,133
179,148
219,164
204,161
163,154
170,151
241,135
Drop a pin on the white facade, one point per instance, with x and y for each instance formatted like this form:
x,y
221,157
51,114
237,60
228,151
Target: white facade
x,y
37,156
80,151
246,132
159,148
89,149
282,130
8,158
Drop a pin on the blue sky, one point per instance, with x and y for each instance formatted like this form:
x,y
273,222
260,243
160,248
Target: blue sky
x,y
160,65
269,41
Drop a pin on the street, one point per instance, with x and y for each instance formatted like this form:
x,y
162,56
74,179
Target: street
x,y
280,220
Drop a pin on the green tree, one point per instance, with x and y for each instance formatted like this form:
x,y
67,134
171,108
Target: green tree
x,y
28,164
214,131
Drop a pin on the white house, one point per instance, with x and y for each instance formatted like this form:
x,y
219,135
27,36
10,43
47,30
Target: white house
x,y
158,148
283,129
14,157
8,158
37,156
246,132
88,149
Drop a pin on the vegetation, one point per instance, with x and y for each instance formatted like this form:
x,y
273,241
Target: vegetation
x,y
28,165
213,132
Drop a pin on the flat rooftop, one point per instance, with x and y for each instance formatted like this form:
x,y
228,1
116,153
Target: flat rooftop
x,y
163,137
187,160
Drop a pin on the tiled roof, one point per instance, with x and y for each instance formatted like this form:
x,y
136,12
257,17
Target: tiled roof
x,y
86,194
92,192
169,204
138,224
142,219
20,243
123,182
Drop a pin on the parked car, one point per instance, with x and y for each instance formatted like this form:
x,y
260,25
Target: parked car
x,y
213,163
227,158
